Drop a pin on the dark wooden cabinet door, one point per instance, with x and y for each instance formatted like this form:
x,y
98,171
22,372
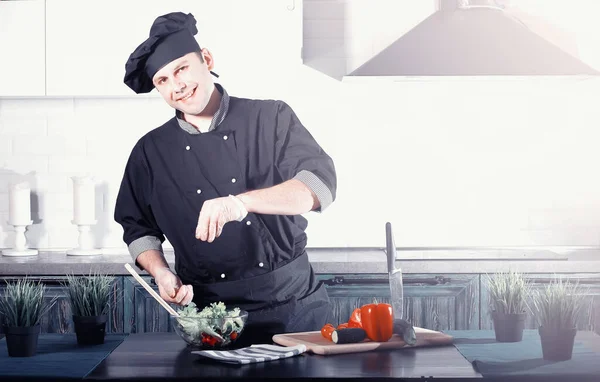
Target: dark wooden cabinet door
x,y
589,317
434,302
59,318
142,313
438,302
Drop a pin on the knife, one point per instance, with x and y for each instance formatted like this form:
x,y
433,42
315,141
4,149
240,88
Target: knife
x,y
394,274
401,326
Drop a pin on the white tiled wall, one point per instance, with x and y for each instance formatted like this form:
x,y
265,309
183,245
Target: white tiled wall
x,y
460,162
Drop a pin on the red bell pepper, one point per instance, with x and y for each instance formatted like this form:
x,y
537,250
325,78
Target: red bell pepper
x,y
355,320
377,320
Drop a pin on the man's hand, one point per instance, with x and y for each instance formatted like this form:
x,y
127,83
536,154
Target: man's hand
x,y
171,289
215,213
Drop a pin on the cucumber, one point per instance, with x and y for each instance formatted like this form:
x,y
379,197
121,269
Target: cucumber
x,y
348,335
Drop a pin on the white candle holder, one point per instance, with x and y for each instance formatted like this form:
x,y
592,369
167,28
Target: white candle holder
x,y
86,241
20,248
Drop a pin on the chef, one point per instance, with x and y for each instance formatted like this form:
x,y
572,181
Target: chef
x,y
225,180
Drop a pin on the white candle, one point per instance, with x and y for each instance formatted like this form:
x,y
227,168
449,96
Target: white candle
x,y
19,209
84,200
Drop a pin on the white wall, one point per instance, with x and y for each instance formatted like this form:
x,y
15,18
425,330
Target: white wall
x,y
449,162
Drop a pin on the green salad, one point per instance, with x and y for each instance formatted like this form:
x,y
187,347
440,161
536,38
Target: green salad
x,y
213,326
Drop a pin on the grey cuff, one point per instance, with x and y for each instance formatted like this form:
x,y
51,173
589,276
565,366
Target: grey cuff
x,y
318,187
143,244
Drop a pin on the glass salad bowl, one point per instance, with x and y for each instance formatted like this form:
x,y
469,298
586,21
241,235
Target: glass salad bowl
x,y
214,327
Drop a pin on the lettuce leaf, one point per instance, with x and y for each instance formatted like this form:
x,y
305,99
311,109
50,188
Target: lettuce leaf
x,y
214,314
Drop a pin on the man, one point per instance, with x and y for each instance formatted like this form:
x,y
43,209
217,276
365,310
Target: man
x,y
226,181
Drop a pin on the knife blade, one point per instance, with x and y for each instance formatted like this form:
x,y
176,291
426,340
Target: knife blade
x,y
394,274
401,326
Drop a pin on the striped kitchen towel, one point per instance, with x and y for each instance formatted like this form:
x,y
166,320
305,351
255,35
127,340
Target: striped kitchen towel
x,y
253,353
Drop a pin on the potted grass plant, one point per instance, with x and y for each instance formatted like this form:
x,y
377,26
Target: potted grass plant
x,y
21,308
89,297
557,307
508,292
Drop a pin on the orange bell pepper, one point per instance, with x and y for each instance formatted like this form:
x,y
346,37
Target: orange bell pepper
x,y
377,320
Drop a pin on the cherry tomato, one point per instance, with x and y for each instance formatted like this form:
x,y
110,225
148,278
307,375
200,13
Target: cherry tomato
x,y
233,335
210,340
327,330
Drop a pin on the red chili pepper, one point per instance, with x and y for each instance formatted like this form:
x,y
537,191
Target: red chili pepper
x,y
342,326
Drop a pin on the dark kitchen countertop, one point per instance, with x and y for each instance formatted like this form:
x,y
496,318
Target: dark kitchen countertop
x,y
166,357
140,358
343,261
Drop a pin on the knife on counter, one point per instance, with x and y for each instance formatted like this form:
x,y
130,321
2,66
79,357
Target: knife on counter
x,y
401,326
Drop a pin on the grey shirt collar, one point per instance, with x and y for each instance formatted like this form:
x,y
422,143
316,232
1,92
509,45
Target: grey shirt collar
x,y
217,118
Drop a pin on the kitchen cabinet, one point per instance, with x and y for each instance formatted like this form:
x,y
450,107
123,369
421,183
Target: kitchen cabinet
x,y
435,302
86,52
438,302
22,46
142,313
59,318
589,317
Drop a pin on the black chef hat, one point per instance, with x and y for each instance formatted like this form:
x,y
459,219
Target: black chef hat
x,y
171,36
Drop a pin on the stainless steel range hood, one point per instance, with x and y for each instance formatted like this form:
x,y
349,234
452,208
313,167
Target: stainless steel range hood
x,y
473,40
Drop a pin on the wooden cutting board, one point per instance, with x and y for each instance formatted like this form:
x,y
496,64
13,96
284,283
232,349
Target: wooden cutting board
x,y
317,344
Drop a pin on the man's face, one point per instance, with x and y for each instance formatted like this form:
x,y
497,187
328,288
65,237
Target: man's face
x,y
186,83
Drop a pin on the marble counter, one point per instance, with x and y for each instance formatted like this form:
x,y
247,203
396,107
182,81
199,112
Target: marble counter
x,y
343,261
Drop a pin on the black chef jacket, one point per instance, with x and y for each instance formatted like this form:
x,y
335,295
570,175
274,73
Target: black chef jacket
x,y
259,264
